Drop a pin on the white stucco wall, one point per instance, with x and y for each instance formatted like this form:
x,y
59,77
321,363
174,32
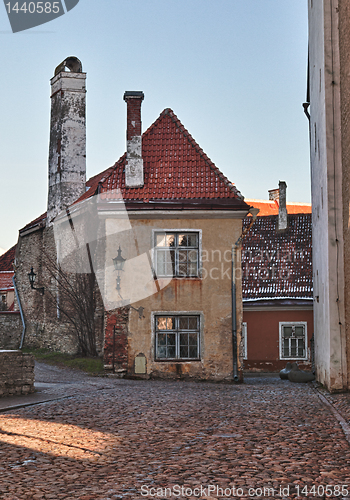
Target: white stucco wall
x,y
326,185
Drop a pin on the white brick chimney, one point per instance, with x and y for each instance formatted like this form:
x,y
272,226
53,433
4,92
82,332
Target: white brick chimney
x,y
134,162
282,210
67,153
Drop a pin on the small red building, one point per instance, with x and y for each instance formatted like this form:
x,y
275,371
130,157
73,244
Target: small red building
x,y
277,287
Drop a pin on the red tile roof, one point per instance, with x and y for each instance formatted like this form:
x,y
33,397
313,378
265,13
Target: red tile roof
x,y
7,259
268,207
277,264
6,280
175,168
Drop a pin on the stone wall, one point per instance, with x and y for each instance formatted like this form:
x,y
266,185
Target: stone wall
x,y
16,373
46,327
10,329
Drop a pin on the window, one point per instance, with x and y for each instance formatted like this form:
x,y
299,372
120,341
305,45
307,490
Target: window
x,y
177,337
293,340
177,254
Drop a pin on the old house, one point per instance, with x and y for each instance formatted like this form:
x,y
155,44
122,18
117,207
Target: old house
x,y
328,109
10,316
156,229
277,285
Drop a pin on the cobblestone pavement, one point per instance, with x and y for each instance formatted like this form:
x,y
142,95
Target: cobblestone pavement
x,y
122,439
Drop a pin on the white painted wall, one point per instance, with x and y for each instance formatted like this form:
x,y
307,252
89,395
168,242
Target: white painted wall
x,y
326,186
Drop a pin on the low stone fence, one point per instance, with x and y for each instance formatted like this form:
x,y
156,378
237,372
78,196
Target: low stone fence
x,y
16,373
10,329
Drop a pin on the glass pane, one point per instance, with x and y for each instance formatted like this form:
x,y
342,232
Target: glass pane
x,y
192,240
183,338
193,353
171,352
184,351
287,331
183,323
161,323
166,323
301,353
299,331
192,339
193,255
161,339
192,323
182,240
285,348
170,240
160,240
161,352
182,270
182,254
171,339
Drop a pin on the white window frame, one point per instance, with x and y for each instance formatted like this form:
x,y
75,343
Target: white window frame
x,y
198,314
244,340
292,323
177,231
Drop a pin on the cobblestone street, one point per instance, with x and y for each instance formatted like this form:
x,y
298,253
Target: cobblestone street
x,y
105,438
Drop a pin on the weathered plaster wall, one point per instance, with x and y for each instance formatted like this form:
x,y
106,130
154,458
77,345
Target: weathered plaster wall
x,y
16,373
344,49
326,183
263,338
210,296
10,330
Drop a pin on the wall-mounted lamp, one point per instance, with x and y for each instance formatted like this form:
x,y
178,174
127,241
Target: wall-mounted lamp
x,y
119,263
32,278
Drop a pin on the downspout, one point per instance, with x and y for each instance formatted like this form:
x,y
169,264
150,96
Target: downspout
x,y
254,212
20,310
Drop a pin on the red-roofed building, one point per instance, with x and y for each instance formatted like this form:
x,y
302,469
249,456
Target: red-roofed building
x,y
277,288
170,216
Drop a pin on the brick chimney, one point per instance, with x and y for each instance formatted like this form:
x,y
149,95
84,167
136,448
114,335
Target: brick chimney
x,y
282,210
134,161
67,153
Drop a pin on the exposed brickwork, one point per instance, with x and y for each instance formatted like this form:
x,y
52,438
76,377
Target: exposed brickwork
x,y
16,373
118,319
133,121
10,330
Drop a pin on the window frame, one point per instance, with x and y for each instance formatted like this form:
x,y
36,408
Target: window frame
x,y
177,314
292,323
177,231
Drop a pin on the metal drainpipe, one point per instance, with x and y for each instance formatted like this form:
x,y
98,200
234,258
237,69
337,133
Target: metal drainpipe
x,y
254,212
20,310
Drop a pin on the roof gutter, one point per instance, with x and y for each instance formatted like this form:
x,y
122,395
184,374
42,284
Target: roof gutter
x,y
235,247
20,310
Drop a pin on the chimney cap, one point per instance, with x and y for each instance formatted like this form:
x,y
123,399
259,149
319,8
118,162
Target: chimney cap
x,y
133,94
72,63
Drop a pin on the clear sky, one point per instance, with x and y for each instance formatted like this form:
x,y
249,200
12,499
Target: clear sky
x,y
233,71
